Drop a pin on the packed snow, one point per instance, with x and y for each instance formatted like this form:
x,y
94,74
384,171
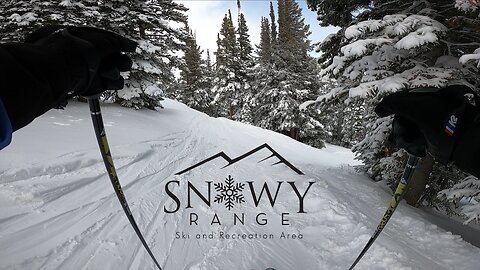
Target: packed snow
x,y
58,209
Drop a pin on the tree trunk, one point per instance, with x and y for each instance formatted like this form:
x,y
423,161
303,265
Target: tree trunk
x,y
231,113
293,133
142,31
419,180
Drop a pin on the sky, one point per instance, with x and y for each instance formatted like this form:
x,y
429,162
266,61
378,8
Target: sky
x,y
205,18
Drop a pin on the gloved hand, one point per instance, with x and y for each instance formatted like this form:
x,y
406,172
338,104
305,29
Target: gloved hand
x,y
55,63
95,54
445,122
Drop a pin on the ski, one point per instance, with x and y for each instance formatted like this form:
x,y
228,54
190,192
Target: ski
x,y
99,127
397,197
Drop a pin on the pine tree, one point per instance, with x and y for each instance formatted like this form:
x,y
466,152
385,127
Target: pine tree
x,y
264,50
191,71
209,73
149,23
312,131
20,18
245,72
290,80
220,54
194,86
388,47
143,21
233,70
293,35
264,74
244,45
227,66
343,122
273,31
338,12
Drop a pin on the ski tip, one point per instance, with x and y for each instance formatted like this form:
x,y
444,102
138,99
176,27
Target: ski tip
x,y
270,268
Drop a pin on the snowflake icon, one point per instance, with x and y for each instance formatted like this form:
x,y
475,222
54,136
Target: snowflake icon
x,y
229,193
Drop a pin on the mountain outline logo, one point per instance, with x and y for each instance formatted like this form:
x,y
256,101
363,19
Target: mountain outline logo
x,y
231,161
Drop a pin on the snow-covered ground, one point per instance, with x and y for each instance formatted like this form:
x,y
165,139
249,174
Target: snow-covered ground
x,y
58,209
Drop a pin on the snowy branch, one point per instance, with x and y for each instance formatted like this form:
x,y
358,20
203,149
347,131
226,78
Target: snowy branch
x,y
467,5
467,193
471,58
383,56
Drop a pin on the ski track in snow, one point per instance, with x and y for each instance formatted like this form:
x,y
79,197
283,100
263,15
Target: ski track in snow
x,y
60,211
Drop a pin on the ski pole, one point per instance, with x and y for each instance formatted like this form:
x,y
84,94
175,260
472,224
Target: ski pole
x,y
397,197
97,120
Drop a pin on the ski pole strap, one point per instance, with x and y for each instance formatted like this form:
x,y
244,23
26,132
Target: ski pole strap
x,y
97,120
397,197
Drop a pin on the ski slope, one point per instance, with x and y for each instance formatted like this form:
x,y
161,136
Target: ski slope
x,y
58,209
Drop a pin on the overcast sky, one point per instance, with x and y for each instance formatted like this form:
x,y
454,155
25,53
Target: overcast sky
x,y
205,18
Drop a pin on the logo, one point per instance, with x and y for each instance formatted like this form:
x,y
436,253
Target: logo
x,y
451,125
231,161
230,193
212,194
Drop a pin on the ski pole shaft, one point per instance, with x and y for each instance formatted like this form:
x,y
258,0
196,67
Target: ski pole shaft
x,y
97,120
397,197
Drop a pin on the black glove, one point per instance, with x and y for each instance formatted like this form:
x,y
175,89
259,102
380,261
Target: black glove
x,y
55,63
95,53
445,122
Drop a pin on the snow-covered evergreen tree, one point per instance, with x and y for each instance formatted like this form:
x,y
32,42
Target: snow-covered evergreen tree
x,y
273,31
194,87
231,86
312,131
147,22
19,18
226,83
290,77
384,47
264,49
245,73
209,73
264,73
342,120
245,48
150,23
465,193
